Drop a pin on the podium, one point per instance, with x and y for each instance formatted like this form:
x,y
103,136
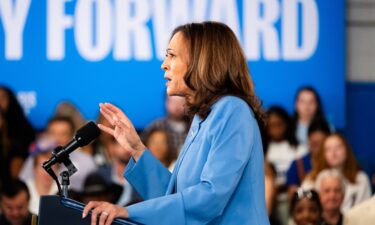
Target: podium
x,y
56,210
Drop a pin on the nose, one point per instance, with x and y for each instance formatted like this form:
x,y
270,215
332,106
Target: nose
x,y
165,65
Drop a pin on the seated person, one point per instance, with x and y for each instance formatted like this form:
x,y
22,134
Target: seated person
x,y
336,153
330,185
113,173
62,130
176,123
96,188
305,208
41,183
159,143
14,204
297,171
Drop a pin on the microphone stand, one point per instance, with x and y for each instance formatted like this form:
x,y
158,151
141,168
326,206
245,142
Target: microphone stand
x,y
65,183
65,175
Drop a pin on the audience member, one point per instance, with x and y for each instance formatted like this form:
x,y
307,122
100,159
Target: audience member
x,y
101,145
336,153
299,168
113,173
14,204
17,134
305,208
331,188
281,149
280,143
41,183
97,188
175,123
61,129
159,143
361,214
308,108
67,109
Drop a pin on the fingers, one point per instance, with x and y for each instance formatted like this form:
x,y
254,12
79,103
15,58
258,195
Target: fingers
x,y
88,207
103,217
108,115
94,216
114,108
103,212
106,129
115,113
110,218
92,205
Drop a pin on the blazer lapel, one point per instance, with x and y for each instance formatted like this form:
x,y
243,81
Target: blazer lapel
x,y
189,139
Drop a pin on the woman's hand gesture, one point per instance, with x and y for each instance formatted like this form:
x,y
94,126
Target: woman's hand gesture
x,y
122,130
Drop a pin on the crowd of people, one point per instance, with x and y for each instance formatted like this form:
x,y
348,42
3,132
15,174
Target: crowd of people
x,y
311,173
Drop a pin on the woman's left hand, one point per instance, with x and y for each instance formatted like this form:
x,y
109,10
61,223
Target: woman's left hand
x,y
104,212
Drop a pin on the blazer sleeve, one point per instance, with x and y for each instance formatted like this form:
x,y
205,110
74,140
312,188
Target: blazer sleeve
x,y
233,137
148,176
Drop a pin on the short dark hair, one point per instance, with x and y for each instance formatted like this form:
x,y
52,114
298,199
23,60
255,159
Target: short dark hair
x,y
283,114
12,188
64,119
319,126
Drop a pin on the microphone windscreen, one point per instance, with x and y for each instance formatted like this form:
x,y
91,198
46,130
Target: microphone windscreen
x,y
87,133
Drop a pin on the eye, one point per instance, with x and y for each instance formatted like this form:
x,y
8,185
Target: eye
x,y
170,55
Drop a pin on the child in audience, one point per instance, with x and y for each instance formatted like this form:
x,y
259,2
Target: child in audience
x,y
305,208
299,168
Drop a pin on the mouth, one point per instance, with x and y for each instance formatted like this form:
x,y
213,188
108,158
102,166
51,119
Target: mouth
x,y
168,79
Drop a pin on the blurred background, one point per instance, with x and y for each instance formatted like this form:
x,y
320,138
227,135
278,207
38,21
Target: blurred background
x,y
83,52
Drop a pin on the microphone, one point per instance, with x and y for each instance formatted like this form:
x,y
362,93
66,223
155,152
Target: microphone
x,y
83,137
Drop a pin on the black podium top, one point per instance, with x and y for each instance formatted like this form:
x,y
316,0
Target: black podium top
x,y
54,210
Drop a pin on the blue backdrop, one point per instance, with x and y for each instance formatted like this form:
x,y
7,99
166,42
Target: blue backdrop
x,y
92,51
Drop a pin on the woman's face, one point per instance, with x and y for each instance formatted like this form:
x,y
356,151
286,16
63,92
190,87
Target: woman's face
x,y
306,105
175,66
158,144
306,212
276,127
334,152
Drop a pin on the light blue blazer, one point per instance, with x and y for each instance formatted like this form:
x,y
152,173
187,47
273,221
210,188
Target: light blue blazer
x,y
218,177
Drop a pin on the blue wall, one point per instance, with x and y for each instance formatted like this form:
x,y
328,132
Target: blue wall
x,y
360,129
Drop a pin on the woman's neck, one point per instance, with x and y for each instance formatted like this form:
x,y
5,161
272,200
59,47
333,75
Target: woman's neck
x,y
304,120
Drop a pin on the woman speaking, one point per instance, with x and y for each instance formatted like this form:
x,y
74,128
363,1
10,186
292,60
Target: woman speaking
x,y
219,175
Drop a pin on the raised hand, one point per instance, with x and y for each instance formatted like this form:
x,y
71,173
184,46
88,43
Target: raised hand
x,y
122,129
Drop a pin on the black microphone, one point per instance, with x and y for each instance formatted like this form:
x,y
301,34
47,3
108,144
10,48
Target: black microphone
x,y
83,137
